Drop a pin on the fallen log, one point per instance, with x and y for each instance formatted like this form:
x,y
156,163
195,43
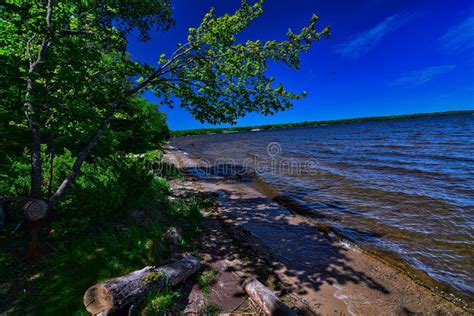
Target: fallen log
x,y
122,292
265,299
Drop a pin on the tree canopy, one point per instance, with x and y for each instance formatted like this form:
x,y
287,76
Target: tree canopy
x,y
67,75
219,79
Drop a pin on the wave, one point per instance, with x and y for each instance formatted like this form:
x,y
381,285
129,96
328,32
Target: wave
x,y
373,244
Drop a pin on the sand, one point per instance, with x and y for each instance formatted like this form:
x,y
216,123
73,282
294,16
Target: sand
x,y
322,274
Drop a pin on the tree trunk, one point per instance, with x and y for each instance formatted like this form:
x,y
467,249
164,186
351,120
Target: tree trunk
x,y
30,213
51,167
119,293
2,217
265,299
35,247
36,176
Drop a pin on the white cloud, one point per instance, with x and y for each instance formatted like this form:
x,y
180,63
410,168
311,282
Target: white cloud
x,y
460,36
365,41
419,77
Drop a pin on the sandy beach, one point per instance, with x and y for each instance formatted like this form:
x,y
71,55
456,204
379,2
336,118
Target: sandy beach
x,y
326,275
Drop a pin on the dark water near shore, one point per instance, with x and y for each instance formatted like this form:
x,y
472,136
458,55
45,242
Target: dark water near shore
x,y
403,186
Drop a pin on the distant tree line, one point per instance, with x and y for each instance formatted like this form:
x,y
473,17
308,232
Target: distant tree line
x,y
201,131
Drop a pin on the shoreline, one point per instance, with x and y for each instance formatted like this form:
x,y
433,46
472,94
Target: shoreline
x,y
319,268
391,259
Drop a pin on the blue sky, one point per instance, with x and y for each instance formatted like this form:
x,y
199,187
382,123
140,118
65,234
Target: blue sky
x,y
385,57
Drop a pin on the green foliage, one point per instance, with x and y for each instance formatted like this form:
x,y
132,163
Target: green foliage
x,y
139,128
105,184
160,167
14,177
114,221
78,65
220,79
161,302
206,279
66,64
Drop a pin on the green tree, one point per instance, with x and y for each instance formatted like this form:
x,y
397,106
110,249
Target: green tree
x,y
76,76
139,127
66,68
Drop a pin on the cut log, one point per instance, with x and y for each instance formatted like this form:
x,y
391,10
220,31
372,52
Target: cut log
x,y
265,299
32,209
35,210
122,292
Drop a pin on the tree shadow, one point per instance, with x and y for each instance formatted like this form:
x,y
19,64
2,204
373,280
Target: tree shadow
x,y
306,255
303,250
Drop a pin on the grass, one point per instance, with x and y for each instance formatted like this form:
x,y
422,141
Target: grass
x,y
57,282
206,279
161,302
97,235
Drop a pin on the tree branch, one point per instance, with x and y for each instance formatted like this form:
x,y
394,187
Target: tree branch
x,y
155,74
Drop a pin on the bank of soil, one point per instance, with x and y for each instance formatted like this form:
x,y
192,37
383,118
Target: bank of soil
x,y
315,272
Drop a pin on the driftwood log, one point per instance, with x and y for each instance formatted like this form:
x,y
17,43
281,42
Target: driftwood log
x,y
125,291
265,298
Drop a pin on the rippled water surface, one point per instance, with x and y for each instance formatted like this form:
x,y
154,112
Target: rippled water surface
x,y
404,186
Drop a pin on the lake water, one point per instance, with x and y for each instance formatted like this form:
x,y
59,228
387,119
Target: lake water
x,y
405,187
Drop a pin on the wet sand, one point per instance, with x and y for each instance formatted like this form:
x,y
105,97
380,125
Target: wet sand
x,y
328,276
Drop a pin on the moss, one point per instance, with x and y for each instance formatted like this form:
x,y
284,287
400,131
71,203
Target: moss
x,y
153,277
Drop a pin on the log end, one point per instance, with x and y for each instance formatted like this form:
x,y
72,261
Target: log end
x,y
98,299
266,299
35,210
